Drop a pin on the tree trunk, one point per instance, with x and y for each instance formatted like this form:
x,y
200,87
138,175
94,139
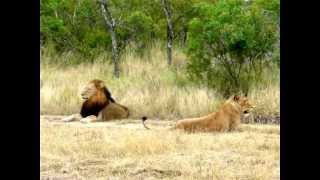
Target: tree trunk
x,y
115,54
112,29
169,46
167,10
184,37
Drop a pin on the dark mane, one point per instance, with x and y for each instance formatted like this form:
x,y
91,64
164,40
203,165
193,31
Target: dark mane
x,y
96,103
92,108
108,94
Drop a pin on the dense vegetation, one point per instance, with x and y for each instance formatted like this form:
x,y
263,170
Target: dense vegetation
x,y
231,45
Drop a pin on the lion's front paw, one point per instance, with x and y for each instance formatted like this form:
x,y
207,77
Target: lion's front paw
x,y
73,117
89,119
68,119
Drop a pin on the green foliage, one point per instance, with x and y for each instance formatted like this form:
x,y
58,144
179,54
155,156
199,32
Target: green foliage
x,y
76,25
270,8
229,43
138,30
140,22
69,25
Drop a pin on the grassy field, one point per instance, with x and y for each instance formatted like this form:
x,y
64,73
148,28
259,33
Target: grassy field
x,y
147,86
125,150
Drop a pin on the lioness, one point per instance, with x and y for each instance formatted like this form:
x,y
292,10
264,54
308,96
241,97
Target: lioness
x,y
227,118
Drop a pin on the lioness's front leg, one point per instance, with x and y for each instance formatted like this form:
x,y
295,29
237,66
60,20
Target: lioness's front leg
x,y
73,117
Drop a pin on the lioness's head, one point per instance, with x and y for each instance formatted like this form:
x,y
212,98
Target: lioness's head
x,y
244,103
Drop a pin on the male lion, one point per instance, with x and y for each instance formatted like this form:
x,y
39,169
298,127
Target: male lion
x,y
227,118
98,105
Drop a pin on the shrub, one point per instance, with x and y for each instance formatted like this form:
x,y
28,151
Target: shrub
x,y
229,44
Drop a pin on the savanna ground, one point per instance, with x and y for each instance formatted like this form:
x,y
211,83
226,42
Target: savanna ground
x,y
125,150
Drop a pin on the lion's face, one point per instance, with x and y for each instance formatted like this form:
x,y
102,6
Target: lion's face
x,y
244,103
97,98
88,91
91,89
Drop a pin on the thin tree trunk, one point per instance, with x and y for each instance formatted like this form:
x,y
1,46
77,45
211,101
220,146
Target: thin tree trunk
x,y
184,36
112,29
169,46
167,10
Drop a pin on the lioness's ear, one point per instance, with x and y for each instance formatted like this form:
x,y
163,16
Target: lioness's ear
x,y
246,94
236,97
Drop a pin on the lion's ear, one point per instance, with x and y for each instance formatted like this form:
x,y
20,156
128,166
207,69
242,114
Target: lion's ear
x,y
246,94
101,84
236,97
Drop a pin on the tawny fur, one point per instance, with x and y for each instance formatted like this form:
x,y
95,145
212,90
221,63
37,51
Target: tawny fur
x,y
227,118
98,105
114,111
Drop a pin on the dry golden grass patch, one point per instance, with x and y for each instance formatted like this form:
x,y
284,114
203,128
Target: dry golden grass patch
x,y
125,150
147,86
266,100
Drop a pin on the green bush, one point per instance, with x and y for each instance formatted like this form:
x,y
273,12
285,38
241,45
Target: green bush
x,y
229,45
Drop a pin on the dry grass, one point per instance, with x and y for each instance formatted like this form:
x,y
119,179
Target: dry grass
x,y
147,86
124,150
266,100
